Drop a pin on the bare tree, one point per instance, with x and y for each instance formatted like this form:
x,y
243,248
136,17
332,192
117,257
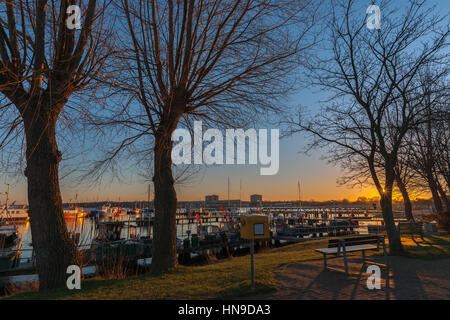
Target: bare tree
x,y
374,77
219,61
429,140
403,176
442,152
43,63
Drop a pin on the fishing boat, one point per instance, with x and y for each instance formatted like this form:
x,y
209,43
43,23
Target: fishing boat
x,y
145,219
74,213
110,245
12,213
113,211
10,244
135,211
97,214
17,214
209,234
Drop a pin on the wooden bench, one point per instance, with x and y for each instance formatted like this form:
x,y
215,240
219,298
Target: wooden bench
x,y
353,244
411,228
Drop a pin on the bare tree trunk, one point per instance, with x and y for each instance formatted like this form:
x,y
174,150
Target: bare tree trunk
x,y
395,244
54,248
444,198
164,255
444,215
406,200
434,193
447,180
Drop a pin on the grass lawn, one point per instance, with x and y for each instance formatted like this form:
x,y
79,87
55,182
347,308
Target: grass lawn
x,y
228,278
433,247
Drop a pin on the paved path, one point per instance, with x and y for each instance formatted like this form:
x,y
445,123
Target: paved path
x,y
409,279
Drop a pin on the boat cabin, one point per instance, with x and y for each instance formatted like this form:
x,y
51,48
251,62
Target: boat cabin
x,y
205,229
8,238
10,245
109,231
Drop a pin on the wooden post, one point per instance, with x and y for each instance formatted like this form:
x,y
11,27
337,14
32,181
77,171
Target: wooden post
x,y
252,249
75,230
129,224
386,260
344,252
182,225
149,226
81,232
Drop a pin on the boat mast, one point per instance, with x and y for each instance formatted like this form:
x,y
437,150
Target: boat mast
x,y
228,192
6,209
7,198
240,195
148,196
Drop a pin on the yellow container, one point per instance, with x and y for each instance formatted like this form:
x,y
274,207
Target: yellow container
x,y
255,227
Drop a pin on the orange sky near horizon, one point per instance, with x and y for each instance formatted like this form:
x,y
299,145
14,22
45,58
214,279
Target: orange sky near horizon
x,y
318,181
196,190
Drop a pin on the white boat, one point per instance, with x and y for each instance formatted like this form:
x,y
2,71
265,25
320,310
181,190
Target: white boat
x,y
299,213
10,244
74,212
14,214
113,211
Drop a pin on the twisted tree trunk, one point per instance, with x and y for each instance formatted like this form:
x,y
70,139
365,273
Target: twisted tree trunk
x,y
444,197
395,244
164,250
54,248
434,193
406,200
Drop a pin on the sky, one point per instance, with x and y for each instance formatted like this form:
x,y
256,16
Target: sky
x,y
318,179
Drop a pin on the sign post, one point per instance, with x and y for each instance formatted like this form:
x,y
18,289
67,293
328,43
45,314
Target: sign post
x,y
254,227
252,266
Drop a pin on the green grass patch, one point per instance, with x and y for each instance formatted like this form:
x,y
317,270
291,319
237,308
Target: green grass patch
x,y
432,247
228,278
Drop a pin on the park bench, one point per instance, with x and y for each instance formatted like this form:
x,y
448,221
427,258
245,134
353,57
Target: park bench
x,y
411,228
353,244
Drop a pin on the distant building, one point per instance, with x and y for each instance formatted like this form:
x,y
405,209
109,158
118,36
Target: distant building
x,y
256,199
212,198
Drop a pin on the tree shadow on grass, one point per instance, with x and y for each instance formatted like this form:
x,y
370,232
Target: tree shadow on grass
x,y
311,281
407,284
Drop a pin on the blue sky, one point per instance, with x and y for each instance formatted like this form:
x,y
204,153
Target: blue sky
x,y
318,179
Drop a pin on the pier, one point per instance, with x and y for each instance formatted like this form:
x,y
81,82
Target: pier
x,y
287,225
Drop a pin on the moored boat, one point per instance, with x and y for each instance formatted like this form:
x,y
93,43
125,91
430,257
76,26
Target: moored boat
x,y
110,245
135,211
113,211
10,244
145,219
74,212
97,214
14,214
